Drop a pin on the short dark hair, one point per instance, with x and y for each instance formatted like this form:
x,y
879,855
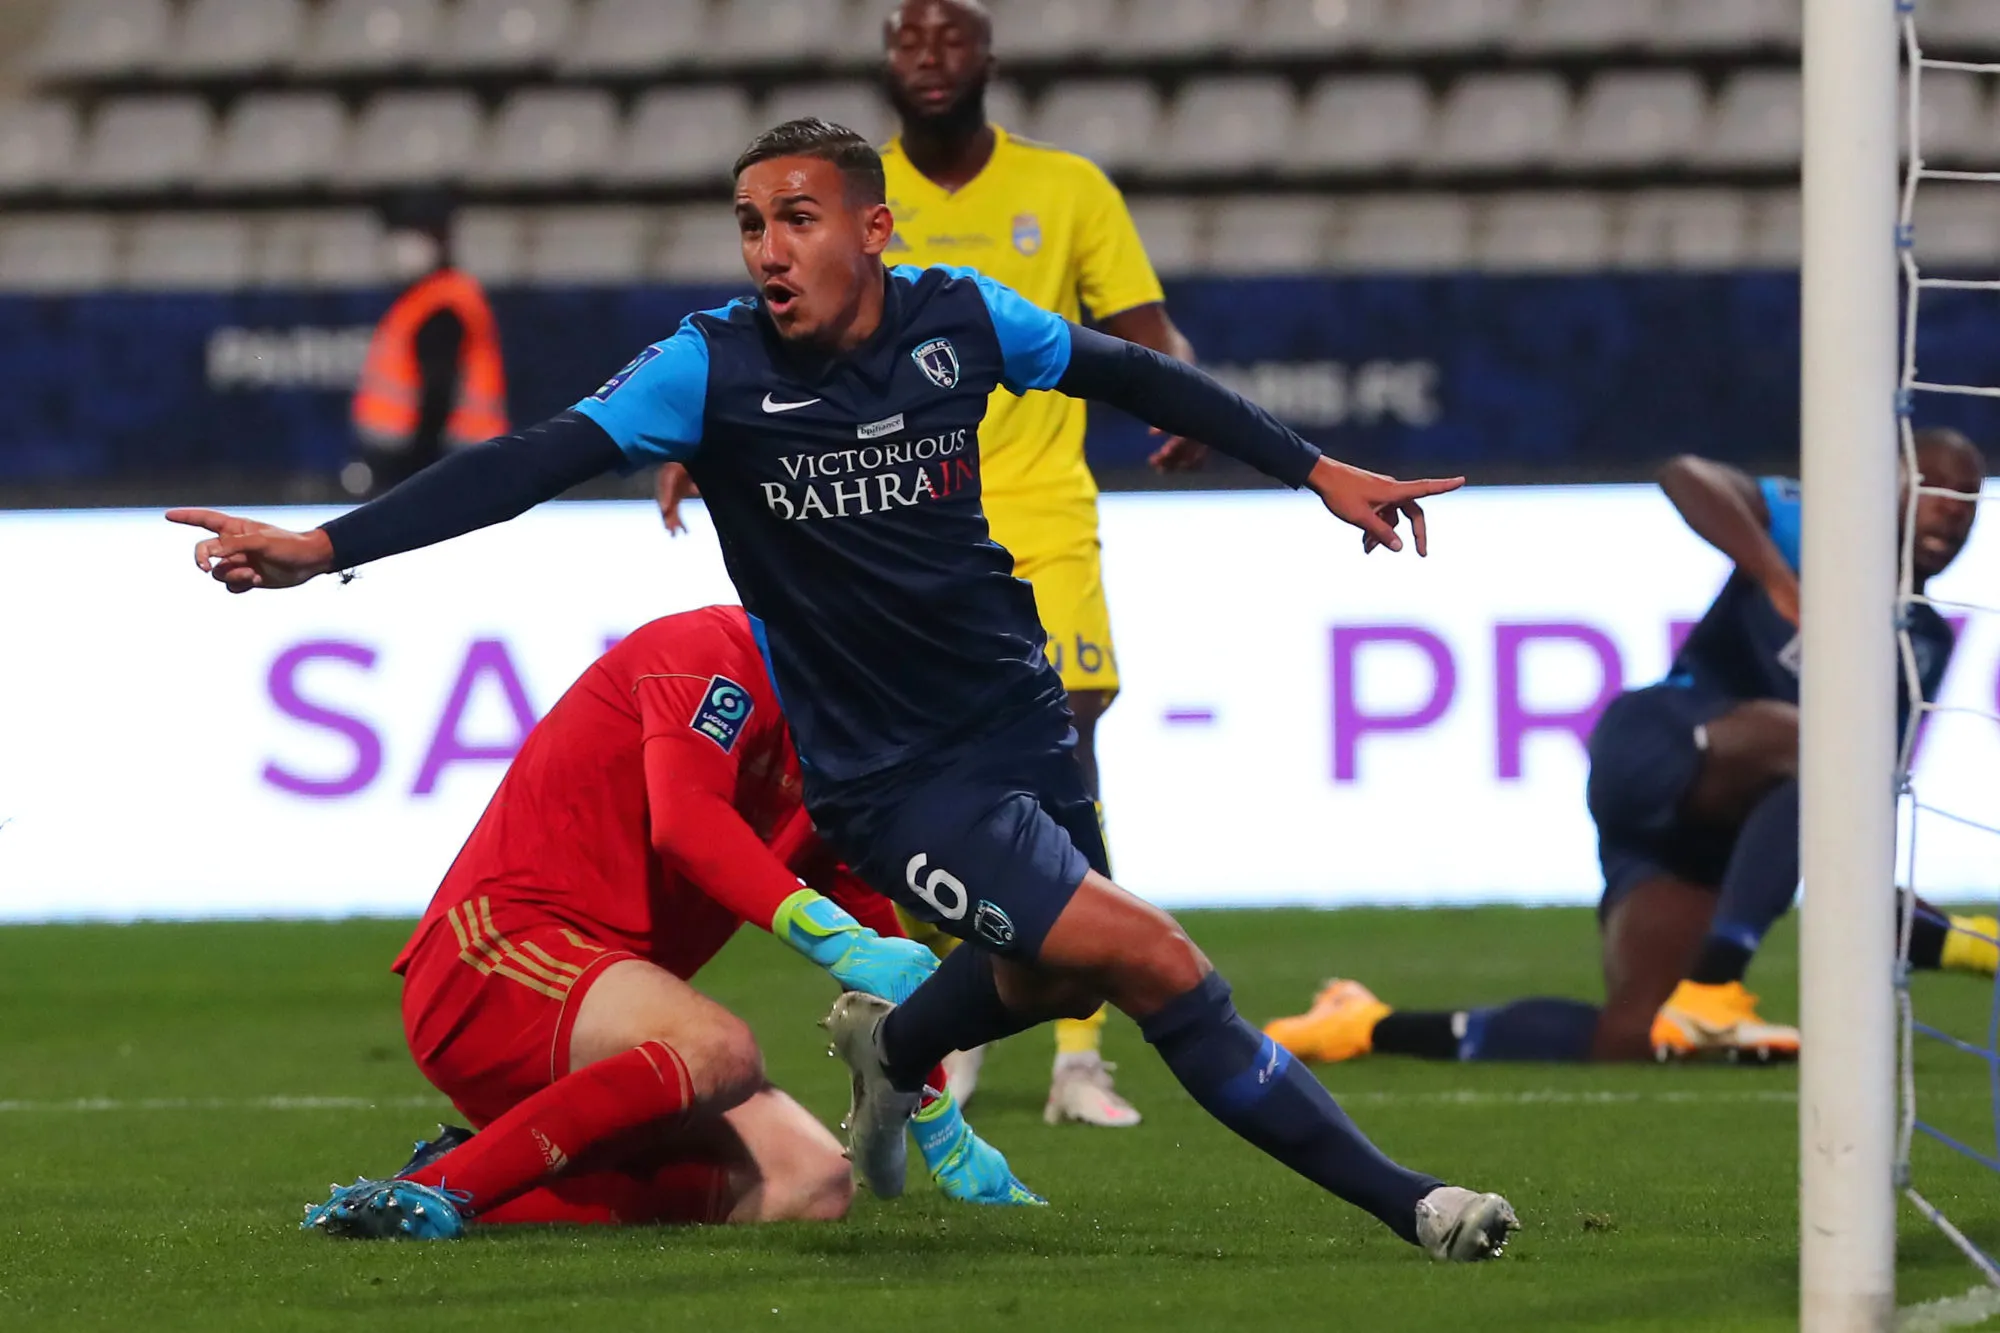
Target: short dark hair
x,y
860,165
1944,437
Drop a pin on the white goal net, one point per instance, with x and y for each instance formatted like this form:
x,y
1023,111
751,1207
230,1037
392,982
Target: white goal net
x,y
1949,1093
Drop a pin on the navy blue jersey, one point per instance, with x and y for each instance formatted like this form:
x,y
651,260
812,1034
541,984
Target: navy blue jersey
x,y
845,492
1743,649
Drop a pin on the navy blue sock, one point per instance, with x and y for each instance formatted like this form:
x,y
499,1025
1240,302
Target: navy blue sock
x,y
1927,936
1254,1086
957,1008
1542,1030
1757,887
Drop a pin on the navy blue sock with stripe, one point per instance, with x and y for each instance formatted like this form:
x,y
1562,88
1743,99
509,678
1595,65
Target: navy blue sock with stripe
x,y
1758,886
1544,1030
1254,1086
957,1008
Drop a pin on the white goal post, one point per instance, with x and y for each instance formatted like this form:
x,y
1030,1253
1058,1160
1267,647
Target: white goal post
x,y
1847,750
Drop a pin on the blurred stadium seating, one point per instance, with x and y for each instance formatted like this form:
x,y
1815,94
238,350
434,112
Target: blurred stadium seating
x,y
1534,215
1322,135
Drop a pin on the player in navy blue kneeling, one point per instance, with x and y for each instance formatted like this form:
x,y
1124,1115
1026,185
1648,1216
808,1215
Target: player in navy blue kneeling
x,y
1694,789
831,423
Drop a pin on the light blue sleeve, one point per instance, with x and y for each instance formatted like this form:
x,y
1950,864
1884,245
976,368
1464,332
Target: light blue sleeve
x,y
1034,343
1781,498
652,409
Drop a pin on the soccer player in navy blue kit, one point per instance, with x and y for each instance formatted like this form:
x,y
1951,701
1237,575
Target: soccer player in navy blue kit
x,y
831,423
1694,789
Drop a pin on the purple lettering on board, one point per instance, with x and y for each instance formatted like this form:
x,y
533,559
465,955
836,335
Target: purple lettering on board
x,y
1514,719
1677,636
1350,723
283,685
486,657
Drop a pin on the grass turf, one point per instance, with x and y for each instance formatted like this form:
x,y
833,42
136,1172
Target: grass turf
x,y
1654,1198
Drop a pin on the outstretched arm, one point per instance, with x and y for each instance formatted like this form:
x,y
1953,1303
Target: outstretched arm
x,y
1149,325
1181,400
1040,350
1176,397
1726,509
648,412
460,493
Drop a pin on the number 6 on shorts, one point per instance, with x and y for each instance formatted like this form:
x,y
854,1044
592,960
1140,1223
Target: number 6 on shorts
x,y
944,891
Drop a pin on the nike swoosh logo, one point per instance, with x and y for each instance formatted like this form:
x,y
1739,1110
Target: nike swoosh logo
x,y
773,405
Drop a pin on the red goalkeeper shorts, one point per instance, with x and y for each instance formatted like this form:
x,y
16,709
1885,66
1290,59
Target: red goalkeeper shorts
x,y
489,998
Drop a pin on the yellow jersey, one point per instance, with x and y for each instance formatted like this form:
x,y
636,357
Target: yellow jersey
x,y
1050,225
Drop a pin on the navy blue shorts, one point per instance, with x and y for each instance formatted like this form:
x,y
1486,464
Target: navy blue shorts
x,y
989,840
1644,756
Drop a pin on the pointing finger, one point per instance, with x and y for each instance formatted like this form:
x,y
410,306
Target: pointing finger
x,y
212,519
1417,490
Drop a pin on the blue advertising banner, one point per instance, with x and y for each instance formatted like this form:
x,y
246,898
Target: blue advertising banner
x,y
1519,376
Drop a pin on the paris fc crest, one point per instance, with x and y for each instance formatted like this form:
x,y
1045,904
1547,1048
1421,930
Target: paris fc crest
x,y
1027,233
939,362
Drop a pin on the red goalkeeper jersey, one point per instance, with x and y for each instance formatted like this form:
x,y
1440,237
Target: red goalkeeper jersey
x,y
614,817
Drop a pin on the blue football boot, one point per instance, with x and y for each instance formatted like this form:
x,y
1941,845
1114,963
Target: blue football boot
x,y
429,1150
388,1210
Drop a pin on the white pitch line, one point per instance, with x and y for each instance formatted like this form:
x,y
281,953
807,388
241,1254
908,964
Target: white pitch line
x,y
1974,1307
88,1104
1563,1097
1444,1097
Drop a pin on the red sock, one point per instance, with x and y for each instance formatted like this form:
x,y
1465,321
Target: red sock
x,y
688,1192
933,1087
538,1139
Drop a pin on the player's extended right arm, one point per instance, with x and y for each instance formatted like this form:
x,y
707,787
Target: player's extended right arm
x,y
460,493
474,488
649,411
1726,509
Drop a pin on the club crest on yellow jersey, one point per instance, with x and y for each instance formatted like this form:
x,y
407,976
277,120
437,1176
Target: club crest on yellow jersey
x,y
1027,233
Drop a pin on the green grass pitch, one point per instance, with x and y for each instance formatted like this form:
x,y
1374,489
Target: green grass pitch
x,y
1654,1198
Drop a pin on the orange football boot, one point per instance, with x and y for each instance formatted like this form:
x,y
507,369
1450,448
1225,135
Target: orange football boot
x,y
1719,1022
1339,1026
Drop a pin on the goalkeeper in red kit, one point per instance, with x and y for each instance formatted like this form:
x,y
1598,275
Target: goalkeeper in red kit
x,y
653,811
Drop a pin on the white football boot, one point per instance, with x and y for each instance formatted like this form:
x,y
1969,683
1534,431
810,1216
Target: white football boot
x,y
1461,1226
1080,1091
878,1116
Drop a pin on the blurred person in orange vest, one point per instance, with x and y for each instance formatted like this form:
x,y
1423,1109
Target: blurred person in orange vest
x,y
433,380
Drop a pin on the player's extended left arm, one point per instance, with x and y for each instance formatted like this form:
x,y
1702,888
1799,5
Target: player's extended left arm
x,y
699,833
1149,325
1181,400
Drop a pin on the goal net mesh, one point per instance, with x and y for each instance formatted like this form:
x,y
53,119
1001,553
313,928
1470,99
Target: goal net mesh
x,y
1947,828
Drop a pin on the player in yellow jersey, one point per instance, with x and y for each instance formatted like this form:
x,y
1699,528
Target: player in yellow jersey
x,y
1050,225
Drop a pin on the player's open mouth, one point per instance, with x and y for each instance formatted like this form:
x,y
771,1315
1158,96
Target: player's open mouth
x,y
779,299
1933,545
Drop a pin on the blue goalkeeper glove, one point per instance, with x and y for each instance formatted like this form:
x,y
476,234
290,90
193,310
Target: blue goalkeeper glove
x,y
965,1166
856,956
